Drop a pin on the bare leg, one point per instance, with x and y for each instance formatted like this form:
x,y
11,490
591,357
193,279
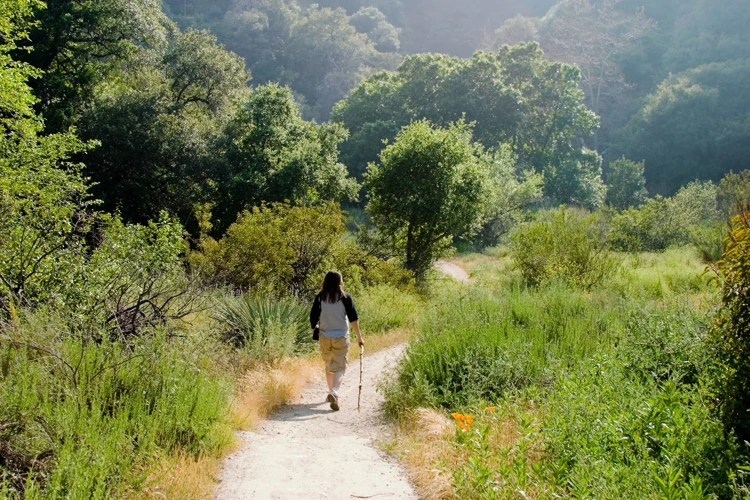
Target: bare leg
x,y
338,377
330,380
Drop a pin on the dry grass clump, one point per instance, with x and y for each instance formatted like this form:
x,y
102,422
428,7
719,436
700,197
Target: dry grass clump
x,y
265,388
435,449
424,443
183,476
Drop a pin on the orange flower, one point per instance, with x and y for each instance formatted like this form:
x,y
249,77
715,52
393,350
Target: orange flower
x,y
490,408
463,421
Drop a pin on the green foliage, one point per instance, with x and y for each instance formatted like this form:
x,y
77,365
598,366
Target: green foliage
x,y
374,24
134,280
602,394
431,185
80,419
709,32
77,42
385,308
42,221
276,249
692,127
266,328
287,249
734,192
316,51
655,434
567,245
494,91
16,99
157,120
662,222
626,184
479,345
731,337
511,194
269,154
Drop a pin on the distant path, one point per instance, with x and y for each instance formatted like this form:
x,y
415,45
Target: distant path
x,y
455,271
307,451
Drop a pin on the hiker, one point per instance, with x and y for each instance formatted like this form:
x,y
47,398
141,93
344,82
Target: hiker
x,y
328,318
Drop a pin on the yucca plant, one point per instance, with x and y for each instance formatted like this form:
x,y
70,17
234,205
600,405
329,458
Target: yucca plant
x,y
267,328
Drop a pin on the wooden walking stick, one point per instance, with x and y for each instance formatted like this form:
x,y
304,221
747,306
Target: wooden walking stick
x,y
361,355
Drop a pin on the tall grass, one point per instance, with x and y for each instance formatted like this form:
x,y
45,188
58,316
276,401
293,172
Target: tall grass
x,y
384,308
78,418
479,345
607,393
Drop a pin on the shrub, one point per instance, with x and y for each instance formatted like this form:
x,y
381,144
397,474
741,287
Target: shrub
x,y
266,328
43,222
732,333
626,184
567,245
272,249
663,222
734,192
134,279
636,421
362,270
286,250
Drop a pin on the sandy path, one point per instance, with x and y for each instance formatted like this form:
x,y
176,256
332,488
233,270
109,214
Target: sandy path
x,y
455,271
307,451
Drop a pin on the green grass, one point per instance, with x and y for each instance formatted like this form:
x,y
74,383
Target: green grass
x,y
385,308
78,419
478,345
606,393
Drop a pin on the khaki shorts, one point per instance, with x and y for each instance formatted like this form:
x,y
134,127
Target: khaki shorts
x,y
334,353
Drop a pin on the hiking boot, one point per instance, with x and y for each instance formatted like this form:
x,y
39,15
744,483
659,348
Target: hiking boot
x,y
334,400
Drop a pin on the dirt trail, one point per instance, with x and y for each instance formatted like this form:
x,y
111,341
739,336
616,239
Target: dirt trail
x,y
455,271
307,451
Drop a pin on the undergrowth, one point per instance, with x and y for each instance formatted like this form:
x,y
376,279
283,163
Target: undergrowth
x,y
556,392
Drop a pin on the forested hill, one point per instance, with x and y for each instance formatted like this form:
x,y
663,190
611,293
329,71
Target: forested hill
x,y
666,77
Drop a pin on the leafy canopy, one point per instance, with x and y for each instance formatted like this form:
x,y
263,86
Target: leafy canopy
x,y
270,154
431,185
514,97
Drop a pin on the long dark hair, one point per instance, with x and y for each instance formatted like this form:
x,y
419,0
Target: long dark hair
x,y
333,288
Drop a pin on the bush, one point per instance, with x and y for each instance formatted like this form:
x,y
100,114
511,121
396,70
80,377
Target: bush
x,y
272,249
626,184
567,245
636,421
663,222
266,328
286,250
731,337
734,193
134,279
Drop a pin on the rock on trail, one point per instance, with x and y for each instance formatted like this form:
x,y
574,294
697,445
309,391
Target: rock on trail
x,y
307,451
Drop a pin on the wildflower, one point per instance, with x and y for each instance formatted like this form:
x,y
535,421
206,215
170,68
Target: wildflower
x,y
463,421
490,408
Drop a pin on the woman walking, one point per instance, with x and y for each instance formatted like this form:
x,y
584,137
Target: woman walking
x,y
330,311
